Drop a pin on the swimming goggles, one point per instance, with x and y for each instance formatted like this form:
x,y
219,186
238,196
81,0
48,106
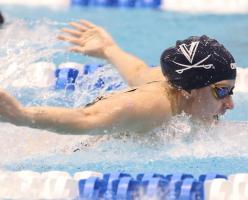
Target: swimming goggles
x,y
220,91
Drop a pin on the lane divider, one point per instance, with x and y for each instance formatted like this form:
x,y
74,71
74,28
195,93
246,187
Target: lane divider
x,y
95,185
70,76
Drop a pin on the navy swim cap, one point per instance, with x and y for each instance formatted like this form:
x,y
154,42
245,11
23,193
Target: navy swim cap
x,y
197,62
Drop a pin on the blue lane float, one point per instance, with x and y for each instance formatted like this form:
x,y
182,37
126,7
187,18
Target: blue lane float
x,y
148,3
91,188
120,185
190,189
206,177
66,78
80,2
149,185
69,75
118,3
156,188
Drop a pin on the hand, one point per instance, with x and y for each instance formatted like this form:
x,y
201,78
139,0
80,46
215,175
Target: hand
x,y
10,109
88,39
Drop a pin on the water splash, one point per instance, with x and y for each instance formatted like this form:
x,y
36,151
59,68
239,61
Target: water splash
x,y
199,150
22,56
34,42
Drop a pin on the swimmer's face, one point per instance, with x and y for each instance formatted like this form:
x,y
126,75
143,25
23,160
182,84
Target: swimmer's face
x,y
207,106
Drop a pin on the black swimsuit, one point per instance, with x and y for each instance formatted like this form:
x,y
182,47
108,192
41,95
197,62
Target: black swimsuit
x,y
102,97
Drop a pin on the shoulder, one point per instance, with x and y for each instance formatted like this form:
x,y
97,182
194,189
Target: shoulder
x,y
145,106
148,97
151,96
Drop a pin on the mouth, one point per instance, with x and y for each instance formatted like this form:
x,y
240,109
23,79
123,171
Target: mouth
x,y
222,112
216,117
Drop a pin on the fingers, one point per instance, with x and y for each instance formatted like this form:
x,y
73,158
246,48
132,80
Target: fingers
x,y
71,39
83,25
77,40
87,24
72,32
82,32
79,27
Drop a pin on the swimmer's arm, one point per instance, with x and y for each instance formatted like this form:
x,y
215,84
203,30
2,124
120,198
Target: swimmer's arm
x,y
61,120
74,121
134,111
135,71
122,113
93,40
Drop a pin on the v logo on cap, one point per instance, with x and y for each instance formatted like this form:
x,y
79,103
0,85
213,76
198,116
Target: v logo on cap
x,y
189,53
197,65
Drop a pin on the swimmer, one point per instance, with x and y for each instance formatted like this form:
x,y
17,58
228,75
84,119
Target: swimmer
x,y
197,77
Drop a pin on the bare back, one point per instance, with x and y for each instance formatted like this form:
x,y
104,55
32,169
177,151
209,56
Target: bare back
x,y
138,109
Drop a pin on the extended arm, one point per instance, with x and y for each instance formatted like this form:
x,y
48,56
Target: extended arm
x,y
134,111
94,41
61,120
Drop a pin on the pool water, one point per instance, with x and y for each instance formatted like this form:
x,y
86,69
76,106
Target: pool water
x,y
30,36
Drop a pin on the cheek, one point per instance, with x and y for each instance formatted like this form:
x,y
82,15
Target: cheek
x,y
213,104
209,104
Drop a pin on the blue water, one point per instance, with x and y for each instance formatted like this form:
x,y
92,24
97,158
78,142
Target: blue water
x,y
30,36
146,33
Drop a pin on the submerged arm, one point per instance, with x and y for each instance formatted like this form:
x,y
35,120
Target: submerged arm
x,y
94,41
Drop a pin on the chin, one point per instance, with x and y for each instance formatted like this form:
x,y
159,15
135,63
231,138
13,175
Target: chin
x,y
216,119
212,119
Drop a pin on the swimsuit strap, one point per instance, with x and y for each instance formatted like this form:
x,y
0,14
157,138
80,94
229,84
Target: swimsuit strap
x,y
94,101
102,97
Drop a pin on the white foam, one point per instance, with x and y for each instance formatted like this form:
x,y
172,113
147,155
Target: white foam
x,y
40,75
206,6
25,57
242,80
28,143
49,3
73,65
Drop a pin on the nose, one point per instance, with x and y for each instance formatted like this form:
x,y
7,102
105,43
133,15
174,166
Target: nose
x,y
228,102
